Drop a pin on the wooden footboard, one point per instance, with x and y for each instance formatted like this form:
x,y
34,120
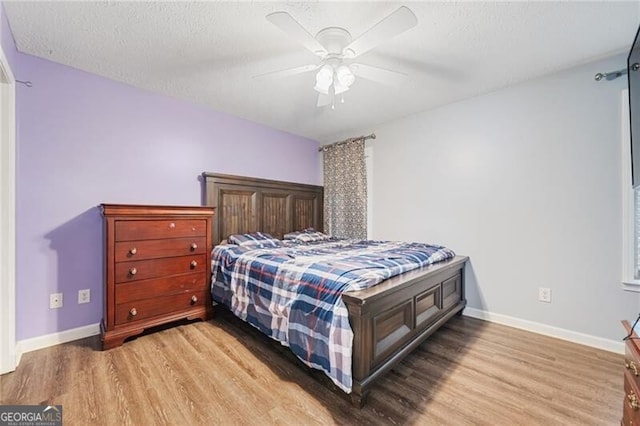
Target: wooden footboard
x,y
392,318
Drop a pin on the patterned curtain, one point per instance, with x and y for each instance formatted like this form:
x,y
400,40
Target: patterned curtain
x,y
345,190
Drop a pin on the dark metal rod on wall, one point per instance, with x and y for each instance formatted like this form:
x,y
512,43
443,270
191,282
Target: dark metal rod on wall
x,y
364,138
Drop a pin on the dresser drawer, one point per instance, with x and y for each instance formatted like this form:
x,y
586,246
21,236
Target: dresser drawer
x,y
629,416
156,268
631,363
631,403
161,305
129,230
138,290
150,249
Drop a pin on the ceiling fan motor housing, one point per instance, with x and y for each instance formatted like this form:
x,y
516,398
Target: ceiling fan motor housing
x,y
334,40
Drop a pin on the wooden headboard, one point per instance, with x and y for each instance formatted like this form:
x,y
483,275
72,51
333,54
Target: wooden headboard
x,y
245,204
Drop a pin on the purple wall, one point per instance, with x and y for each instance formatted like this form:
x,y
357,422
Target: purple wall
x,y
84,140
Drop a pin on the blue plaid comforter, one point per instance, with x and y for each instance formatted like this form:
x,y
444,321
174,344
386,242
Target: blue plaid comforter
x,y
292,292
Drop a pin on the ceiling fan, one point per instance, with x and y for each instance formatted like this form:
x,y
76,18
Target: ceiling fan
x,y
333,45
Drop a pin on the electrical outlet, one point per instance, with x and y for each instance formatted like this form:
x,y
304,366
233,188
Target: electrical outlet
x,y
55,300
84,296
544,294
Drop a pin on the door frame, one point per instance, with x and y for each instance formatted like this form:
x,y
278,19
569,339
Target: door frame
x,y
8,355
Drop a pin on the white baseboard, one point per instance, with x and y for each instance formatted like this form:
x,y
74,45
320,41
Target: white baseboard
x,y
547,330
40,342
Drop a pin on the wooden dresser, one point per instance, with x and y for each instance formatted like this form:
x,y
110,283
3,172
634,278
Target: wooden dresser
x,y
631,403
157,267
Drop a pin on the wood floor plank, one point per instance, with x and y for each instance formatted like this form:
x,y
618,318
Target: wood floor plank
x,y
225,372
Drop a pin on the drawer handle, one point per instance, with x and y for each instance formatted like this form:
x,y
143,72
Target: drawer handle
x,y
133,312
133,271
133,251
172,225
631,366
194,264
193,246
194,299
633,401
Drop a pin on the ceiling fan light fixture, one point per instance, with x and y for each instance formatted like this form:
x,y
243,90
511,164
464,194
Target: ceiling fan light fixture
x,y
339,87
320,89
324,79
344,76
334,46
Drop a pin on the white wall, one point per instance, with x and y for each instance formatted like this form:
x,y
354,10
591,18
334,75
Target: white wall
x,y
525,181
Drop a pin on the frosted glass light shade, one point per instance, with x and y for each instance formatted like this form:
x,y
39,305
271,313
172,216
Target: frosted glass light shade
x,y
324,79
345,76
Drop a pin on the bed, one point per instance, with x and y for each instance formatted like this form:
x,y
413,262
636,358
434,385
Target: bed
x,y
387,320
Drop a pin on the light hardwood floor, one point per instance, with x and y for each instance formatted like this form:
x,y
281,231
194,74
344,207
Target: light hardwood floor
x,y
469,372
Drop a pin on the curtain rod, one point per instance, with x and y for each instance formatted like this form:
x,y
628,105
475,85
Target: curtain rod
x,y
612,75
364,138
615,74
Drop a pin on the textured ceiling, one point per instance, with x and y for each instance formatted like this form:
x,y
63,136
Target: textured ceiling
x,y
207,52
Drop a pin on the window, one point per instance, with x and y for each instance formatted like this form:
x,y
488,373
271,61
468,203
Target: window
x,y
630,209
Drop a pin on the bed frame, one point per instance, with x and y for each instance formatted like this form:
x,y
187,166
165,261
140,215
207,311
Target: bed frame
x,y
388,320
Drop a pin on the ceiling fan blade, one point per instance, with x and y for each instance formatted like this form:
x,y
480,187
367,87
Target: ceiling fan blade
x,y
323,100
398,22
286,23
376,74
287,72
